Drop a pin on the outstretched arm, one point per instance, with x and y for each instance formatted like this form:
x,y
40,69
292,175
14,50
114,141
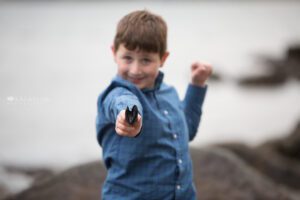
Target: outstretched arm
x,y
195,95
115,108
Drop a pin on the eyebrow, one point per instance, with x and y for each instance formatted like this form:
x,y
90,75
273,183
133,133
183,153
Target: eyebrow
x,y
127,53
146,54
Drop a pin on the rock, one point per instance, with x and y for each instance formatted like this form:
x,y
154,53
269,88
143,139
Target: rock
x,y
220,174
37,174
278,159
293,61
284,154
3,192
293,53
81,182
227,171
270,164
280,70
274,78
289,146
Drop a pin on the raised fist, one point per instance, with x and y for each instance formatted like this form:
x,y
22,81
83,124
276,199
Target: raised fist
x,y
200,72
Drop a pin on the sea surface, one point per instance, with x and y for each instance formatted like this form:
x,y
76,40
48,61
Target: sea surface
x,y
55,59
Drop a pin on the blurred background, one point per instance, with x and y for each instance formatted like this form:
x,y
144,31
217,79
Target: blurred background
x,y
55,59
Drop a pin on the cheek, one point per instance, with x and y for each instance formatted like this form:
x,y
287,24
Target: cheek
x,y
122,68
153,72
123,72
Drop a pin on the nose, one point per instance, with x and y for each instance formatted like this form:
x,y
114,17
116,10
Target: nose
x,y
135,69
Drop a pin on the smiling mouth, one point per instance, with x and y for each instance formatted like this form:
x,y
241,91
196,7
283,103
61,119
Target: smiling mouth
x,y
136,79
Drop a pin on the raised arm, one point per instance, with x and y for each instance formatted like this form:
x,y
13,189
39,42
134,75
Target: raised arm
x,y
192,105
195,94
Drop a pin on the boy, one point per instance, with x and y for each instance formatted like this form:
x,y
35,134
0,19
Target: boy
x,y
150,158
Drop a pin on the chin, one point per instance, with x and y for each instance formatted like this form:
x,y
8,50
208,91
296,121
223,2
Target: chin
x,y
140,86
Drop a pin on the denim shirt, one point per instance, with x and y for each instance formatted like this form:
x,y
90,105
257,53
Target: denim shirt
x,y
155,165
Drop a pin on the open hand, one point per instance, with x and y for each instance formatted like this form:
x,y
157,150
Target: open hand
x,y
200,73
123,128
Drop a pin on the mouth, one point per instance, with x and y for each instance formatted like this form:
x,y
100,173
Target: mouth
x,y
136,79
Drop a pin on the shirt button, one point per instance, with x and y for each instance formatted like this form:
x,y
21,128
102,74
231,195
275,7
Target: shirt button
x,y
166,112
179,161
178,187
174,136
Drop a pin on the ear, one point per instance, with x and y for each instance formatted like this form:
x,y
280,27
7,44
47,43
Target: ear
x,y
112,47
164,58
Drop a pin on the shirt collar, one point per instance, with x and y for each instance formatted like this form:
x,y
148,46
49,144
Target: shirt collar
x,y
157,83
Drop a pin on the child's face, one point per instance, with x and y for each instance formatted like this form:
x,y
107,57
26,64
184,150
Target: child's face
x,y
139,67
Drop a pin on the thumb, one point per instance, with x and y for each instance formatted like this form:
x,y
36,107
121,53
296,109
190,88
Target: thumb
x,y
139,121
194,66
139,118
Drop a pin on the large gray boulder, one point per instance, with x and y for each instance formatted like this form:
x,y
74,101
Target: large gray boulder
x,y
278,159
219,174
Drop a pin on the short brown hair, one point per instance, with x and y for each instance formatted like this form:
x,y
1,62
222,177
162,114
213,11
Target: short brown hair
x,y
142,30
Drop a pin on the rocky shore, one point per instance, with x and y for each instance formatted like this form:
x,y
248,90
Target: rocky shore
x,y
225,171
279,70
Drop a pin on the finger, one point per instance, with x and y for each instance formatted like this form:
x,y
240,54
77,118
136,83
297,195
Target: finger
x,y
122,115
205,63
138,123
194,66
122,118
119,131
210,69
139,118
120,121
123,132
200,64
204,69
199,70
125,127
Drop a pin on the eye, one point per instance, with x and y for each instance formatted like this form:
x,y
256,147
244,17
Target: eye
x,y
146,61
127,58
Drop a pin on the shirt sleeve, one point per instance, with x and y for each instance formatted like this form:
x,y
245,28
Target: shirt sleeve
x,y
192,105
118,100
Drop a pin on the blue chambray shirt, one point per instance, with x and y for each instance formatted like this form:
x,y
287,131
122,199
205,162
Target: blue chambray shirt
x,y
155,165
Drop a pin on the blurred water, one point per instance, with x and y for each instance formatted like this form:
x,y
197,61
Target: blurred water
x,y
55,59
